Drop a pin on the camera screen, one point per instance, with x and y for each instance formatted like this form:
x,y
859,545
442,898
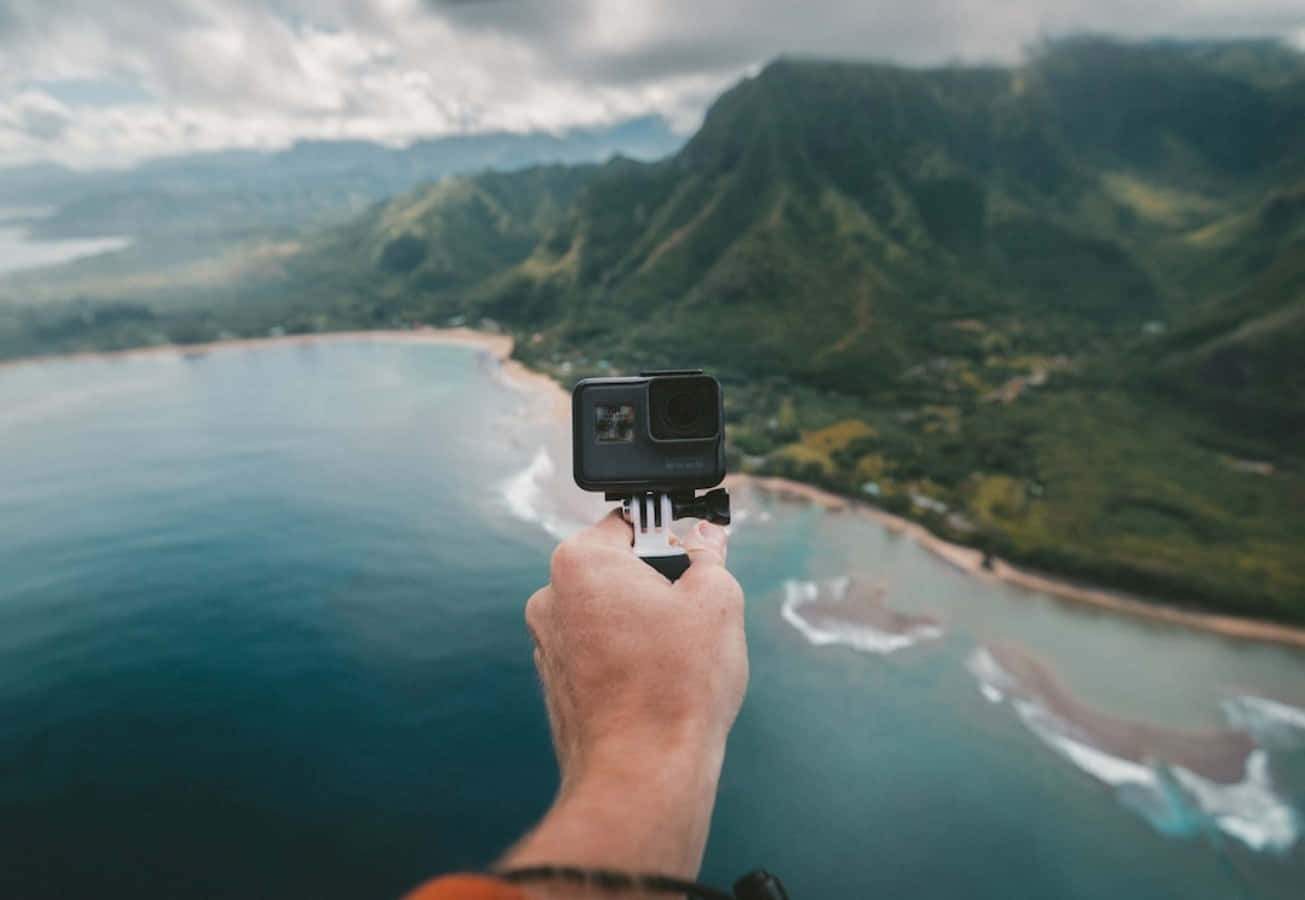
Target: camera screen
x,y
613,423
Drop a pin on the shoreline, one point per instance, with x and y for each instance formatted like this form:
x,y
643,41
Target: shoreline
x,y
510,371
498,344
970,561
967,559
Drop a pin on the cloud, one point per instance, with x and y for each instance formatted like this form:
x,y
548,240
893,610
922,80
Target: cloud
x,y
37,115
169,76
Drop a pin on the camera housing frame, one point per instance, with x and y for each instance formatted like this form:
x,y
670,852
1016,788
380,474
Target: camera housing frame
x,y
658,432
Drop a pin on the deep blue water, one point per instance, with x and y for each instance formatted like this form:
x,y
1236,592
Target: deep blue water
x,y
261,635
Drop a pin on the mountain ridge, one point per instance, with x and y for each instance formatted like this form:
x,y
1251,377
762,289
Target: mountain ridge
x,y
1048,310
901,249
232,189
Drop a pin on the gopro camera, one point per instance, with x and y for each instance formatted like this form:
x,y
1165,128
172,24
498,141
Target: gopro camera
x,y
653,442
662,431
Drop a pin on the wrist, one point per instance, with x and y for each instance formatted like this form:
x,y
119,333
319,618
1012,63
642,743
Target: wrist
x,y
689,753
633,805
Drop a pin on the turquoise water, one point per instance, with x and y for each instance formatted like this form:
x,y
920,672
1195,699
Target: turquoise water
x,y
260,635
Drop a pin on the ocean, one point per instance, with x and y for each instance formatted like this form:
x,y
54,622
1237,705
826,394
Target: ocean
x,y
261,635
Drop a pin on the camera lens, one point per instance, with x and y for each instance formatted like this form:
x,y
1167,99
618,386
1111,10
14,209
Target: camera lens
x,y
684,408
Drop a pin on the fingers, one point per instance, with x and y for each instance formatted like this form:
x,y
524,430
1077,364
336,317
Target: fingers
x,y
707,576
706,544
611,529
575,559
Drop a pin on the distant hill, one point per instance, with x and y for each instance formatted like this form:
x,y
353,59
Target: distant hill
x,y
1053,310
244,190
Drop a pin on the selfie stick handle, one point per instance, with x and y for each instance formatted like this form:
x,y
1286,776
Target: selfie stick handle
x,y
651,516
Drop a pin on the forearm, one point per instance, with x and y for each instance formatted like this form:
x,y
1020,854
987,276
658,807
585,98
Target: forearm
x,y
633,809
642,679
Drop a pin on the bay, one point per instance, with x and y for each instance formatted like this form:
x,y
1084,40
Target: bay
x,y
261,634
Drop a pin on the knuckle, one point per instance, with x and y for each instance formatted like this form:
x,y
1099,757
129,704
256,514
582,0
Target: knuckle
x,y
718,582
567,561
709,555
536,607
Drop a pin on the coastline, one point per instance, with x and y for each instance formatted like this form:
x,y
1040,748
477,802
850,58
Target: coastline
x,y
498,344
510,371
967,559
970,561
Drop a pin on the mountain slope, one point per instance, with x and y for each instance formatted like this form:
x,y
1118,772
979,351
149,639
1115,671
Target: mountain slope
x,y
1053,311
413,257
989,272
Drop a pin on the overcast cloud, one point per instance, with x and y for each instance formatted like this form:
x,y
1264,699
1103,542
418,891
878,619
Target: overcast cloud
x,y
105,82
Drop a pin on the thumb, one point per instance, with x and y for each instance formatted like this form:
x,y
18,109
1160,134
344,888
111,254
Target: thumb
x,y
706,544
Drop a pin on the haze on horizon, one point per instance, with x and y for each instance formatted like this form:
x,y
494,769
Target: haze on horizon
x,y
88,88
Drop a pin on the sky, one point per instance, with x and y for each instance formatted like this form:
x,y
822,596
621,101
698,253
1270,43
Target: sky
x,y
95,83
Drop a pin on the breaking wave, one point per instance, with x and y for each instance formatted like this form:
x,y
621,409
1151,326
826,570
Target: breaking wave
x,y
1175,800
532,495
1272,722
527,499
1249,811
825,629
744,514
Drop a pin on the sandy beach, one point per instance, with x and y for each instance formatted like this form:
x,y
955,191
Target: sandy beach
x,y
558,409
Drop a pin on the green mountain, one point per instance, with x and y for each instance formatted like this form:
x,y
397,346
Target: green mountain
x,y
1240,354
431,247
837,221
1054,310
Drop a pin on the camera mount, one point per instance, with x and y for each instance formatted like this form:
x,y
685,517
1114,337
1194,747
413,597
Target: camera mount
x,y
651,514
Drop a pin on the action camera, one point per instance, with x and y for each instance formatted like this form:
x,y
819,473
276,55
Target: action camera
x,y
662,432
652,442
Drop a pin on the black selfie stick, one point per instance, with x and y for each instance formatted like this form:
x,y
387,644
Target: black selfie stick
x,y
651,515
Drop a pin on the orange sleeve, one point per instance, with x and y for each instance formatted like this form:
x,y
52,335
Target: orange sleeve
x,y
466,887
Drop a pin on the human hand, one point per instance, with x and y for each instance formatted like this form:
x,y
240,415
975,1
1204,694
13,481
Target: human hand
x,y
643,679
627,657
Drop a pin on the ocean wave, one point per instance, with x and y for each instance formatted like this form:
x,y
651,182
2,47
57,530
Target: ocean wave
x,y
994,681
825,628
526,498
1273,722
1249,811
532,495
739,515
1173,799
1053,732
